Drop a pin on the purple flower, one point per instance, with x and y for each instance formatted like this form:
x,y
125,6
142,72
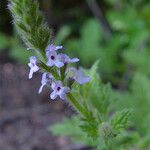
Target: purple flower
x,y
33,66
59,90
78,76
66,59
53,59
46,79
52,47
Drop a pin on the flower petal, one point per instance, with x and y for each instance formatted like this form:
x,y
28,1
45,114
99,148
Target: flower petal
x,y
41,88
30,73
50,63
59,64
53,86
83,80
35,68
52,47
58,83
62,95
53,95
74,60
66,89
58,47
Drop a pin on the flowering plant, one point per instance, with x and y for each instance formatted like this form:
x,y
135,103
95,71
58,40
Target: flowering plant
x,y
91,100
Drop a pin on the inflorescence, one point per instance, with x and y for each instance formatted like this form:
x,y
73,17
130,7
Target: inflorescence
x,y
67,75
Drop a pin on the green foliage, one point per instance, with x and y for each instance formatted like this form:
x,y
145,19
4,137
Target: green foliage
x,y
96,97
16,50
129,45
120,120
138,100
95,94
62,34
4,41
141,97
90,126
70,127
29,21
139,59
88,52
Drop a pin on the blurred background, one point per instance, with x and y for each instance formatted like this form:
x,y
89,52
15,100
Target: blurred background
x,y
117,32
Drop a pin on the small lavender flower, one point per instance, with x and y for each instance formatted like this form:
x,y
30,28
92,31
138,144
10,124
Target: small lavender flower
x,y
46,79
53,59
33,66
78,76
59,90
66,59
52,47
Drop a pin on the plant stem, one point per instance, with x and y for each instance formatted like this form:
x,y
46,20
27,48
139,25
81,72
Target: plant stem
x,y
62,72
51,70
75,103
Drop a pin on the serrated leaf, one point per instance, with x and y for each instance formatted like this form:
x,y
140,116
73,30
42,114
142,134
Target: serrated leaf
x,y
120,120
95,94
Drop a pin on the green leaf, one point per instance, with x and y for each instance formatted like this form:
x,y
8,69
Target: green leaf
x,y
120,120
62,34
95,94
19,53
70,127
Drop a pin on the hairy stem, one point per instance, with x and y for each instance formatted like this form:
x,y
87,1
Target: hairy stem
x,y
51,70
78,106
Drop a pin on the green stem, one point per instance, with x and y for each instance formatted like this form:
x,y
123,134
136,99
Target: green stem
x,y
75,103
51,70
62,72
41,55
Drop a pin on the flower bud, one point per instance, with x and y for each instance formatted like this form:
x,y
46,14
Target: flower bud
x,y
70,82
106,131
